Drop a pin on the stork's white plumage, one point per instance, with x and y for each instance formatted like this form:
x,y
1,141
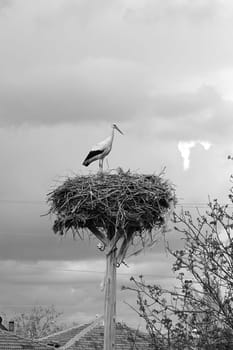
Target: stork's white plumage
x,y
101,150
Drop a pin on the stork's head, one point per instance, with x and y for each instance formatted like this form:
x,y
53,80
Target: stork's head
x,y
116,127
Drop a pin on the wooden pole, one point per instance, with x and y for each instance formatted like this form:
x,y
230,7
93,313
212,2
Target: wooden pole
x,y
110,301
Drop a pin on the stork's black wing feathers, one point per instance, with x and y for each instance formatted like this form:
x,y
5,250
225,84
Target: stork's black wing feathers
x,y
90,155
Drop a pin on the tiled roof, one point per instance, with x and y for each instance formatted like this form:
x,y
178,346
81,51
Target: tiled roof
x,y
91,337
10,341
126,339
61,338
3,328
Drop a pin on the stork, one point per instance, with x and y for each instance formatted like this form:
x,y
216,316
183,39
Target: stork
x,y
101,150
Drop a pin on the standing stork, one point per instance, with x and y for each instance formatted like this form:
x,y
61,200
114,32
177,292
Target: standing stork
x,y
101,150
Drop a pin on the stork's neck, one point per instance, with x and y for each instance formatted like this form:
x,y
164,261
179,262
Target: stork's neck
x,y
112,136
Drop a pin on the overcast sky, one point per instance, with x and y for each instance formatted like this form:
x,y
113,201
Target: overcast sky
x,y
162,70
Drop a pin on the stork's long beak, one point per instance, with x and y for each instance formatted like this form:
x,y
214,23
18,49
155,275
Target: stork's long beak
x,y
116,127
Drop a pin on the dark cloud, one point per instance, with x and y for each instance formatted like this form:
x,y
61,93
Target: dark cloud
x,y
55,68
186,104
5,3
77,294
81,96
96,89
45,246
29,238
201,115
26,235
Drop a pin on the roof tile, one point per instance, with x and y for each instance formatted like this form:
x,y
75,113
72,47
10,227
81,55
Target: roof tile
x,y
93,339
10,341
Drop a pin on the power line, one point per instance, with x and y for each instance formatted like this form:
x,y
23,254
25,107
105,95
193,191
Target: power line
x,y
98,272
31,267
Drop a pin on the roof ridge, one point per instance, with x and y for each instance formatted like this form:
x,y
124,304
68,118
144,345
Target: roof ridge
x,y
82,333
60,332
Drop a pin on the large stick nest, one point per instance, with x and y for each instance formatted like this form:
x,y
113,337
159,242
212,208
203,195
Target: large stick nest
x,y
119,209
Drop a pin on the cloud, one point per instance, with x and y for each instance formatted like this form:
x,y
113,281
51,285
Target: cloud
x,y
103,89
185,149
203,114
157,10
204,99
74,287
56,67
107,90
205,144
5,4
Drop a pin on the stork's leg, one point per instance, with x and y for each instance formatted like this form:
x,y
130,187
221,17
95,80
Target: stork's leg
x,y
101,165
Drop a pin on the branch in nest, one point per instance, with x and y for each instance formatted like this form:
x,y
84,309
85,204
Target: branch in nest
x,y
114,207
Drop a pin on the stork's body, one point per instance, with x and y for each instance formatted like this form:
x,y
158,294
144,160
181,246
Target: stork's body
x,y
101,150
